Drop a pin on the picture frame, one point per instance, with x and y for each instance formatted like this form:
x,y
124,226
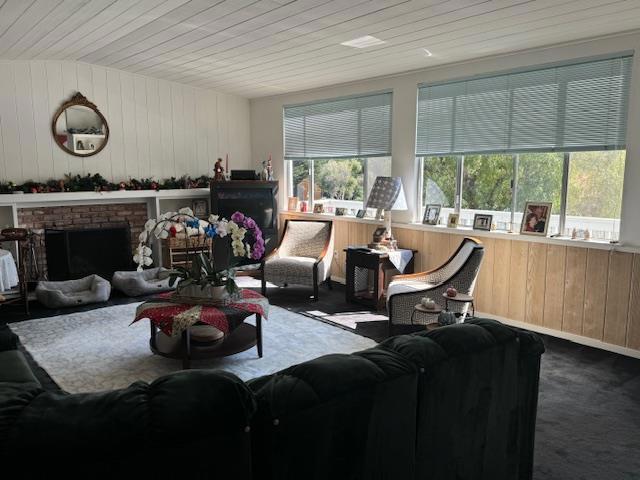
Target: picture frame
x,y
432,214
482,221
452,221
361,213
340,211
318,208
535,218
379,234
292,204
200,208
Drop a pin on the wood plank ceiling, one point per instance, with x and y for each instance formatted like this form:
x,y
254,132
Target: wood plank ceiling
x,y
258,48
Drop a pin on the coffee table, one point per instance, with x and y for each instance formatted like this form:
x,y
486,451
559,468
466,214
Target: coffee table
x,y
175,319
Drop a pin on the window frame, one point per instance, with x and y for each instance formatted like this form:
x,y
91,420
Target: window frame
x,y
312,180
459,193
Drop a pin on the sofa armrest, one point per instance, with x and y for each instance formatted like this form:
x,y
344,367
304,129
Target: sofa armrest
x,y
8,339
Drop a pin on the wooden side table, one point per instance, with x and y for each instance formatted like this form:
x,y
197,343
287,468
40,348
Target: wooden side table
x,y
360,263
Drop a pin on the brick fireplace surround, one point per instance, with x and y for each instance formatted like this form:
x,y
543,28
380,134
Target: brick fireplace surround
x,y
82,216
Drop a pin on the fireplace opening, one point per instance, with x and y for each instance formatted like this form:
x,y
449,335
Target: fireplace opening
x,y
76,253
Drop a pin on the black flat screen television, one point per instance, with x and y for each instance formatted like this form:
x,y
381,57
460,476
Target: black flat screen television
x,y
255,199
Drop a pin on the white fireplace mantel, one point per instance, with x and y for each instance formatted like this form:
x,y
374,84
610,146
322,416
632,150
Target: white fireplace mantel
x,y
157,201
79,198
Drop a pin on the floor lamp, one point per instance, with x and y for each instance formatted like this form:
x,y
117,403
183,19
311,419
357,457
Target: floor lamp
x,y
387,194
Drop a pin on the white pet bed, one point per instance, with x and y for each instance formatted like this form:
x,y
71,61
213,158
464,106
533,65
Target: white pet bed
x,y
146,282
91,289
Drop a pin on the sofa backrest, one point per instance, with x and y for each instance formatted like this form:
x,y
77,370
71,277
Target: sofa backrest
x,y
455,403
192,423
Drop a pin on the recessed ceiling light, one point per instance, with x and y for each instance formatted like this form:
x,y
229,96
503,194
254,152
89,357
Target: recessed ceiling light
x,y
363,42
427,53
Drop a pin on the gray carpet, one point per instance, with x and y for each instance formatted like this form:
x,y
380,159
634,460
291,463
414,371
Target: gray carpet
x,y
98,349
588,414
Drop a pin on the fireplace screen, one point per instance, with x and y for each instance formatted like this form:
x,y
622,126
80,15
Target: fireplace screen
x,y
77,253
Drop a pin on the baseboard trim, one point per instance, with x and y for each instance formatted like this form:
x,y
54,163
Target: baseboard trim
x,y
572,337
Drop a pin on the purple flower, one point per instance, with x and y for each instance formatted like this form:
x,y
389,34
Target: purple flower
x,y
237,217
249,223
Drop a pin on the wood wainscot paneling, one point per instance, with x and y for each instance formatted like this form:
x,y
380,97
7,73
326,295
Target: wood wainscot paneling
x,y
554,286
536,283
618,296
518,280
595,293
633,335
574,284
581,291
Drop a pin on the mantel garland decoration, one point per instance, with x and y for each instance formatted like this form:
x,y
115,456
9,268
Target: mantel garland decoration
x,y
201,278
97,183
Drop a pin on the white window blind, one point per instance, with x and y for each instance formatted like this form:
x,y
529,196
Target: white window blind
x,y
339,128
564,108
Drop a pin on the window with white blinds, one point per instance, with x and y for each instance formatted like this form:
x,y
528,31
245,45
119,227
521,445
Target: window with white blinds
x,y
562,108
339,128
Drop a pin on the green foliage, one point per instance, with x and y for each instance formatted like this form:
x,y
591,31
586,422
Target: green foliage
x,y
540,179
97,183
439,180
486,182
340,179
595,184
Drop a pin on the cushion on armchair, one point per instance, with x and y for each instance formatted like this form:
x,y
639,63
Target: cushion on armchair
x,y
296,270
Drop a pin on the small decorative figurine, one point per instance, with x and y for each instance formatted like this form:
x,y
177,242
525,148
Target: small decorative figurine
x,y
264,174
269,169
587,234
428,303
451,292
122,186
218,171
574,233
79,145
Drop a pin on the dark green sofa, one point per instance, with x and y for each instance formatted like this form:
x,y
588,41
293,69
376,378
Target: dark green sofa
x,y
456,403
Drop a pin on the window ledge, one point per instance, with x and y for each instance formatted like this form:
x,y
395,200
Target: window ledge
x,y
501,235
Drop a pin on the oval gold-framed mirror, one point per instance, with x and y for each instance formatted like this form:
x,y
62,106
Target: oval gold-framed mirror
x,y
79,128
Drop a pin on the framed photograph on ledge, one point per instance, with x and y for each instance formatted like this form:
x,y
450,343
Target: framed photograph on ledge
x,y
200,208
432,214
535,219
361,213
340,211
318,208
452,221
482,221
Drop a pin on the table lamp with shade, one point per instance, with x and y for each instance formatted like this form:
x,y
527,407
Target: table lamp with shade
x,y
387,194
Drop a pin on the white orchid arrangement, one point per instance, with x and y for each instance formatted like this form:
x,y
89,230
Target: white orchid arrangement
x,y
246,242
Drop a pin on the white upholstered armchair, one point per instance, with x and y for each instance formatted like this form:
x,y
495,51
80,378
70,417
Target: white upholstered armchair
x,y
460,271
303,256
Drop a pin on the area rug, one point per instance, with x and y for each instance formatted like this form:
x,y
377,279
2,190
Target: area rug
x,y
99,349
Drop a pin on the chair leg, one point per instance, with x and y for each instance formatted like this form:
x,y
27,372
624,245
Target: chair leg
x,y
329,285
315,283
263,283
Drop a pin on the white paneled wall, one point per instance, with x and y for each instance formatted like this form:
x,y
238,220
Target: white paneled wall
x,y
157,128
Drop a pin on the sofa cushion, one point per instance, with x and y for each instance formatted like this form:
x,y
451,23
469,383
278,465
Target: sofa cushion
x,y
14,368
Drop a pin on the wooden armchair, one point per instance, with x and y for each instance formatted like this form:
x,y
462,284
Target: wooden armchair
x,y
460,272
303,256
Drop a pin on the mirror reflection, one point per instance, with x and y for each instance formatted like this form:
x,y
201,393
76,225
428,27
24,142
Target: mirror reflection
x,y
79,128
